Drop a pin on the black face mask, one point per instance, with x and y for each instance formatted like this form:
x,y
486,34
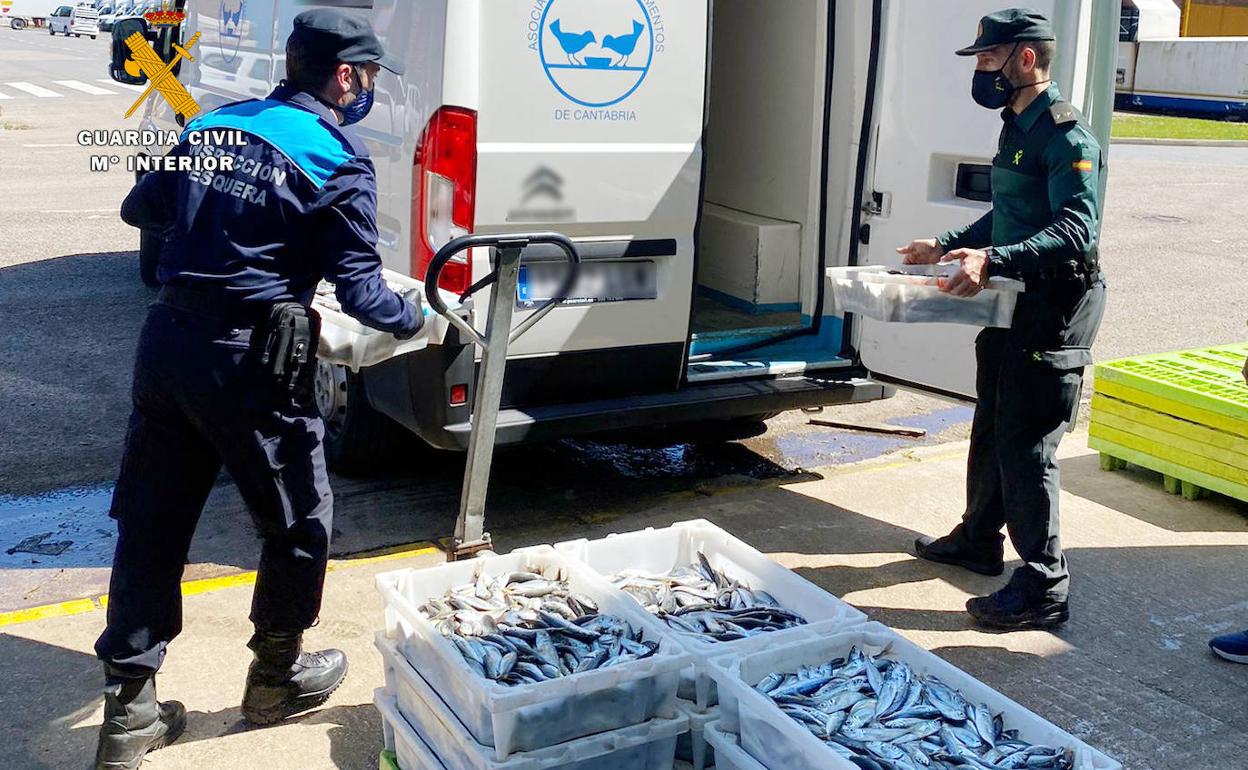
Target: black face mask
x,y
991,88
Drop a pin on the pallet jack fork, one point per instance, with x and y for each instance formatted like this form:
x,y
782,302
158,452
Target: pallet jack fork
x,y
506,254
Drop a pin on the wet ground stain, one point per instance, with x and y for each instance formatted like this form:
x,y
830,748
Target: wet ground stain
x,y
811,449
567,479
65,528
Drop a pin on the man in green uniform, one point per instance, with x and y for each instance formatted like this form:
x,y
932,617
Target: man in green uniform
x,y
1043,228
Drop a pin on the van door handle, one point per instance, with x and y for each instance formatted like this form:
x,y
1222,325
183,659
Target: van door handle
x,y
974,182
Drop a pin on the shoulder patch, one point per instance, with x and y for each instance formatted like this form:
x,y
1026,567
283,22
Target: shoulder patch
x,y
1063,113
312,145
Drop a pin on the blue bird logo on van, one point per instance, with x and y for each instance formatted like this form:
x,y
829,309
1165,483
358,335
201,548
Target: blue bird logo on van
x,y
597,53
230,29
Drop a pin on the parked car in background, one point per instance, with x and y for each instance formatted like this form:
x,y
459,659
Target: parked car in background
x,y
84,20
107,14
59,20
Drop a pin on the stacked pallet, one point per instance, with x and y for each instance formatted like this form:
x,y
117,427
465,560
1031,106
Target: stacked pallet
x,y
1184,415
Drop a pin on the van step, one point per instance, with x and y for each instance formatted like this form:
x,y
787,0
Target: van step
x,y
693,403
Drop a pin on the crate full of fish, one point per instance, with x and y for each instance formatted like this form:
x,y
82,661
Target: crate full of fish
x,y
867,697
531,649
650,745
714,592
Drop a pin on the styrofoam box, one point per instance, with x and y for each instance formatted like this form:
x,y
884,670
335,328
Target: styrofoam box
x,y
728,752
650,745
914,297
779,742
532,716
412,752
662,550
692,746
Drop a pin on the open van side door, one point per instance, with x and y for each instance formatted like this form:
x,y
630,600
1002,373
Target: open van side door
x,y
932,153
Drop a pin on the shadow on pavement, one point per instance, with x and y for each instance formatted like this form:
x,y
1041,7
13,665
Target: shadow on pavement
x,y
71,326
1083,476
51,699
48,691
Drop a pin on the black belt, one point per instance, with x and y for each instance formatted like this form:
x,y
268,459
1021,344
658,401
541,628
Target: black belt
x,y
1067,272
215,304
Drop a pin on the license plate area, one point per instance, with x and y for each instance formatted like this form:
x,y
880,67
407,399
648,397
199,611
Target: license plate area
x,y
595,282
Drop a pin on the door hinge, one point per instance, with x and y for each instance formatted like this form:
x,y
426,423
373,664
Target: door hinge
x,y
880,205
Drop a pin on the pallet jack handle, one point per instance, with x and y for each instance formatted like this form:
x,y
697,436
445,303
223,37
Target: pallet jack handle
x,y
507,250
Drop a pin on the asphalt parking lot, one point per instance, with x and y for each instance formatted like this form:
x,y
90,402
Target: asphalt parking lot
x,y
1130,675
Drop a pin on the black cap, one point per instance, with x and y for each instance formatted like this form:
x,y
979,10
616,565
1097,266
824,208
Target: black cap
x,y
1013,25
342,36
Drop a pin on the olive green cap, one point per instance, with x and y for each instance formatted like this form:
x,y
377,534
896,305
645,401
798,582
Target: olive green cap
x,y
1013,25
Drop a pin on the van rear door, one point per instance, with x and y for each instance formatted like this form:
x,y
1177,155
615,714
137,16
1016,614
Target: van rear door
x,y
932,151
590,123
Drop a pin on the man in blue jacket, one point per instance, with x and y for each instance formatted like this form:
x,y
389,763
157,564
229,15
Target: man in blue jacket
x,y
224,367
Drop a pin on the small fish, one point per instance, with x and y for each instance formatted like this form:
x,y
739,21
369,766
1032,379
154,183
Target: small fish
x,y
526,627
876,713
701,600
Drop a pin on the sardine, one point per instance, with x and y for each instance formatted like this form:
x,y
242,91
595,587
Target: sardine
x,y
526,627
703,601
877,713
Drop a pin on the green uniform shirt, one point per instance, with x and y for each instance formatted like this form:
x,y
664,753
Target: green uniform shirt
x,y
1046,200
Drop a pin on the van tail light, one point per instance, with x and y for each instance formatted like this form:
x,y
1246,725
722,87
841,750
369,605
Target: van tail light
x,y
444,193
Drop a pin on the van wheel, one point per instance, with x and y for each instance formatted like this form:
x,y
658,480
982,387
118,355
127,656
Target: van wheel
x,y
149,258
51,32
93,37
359,440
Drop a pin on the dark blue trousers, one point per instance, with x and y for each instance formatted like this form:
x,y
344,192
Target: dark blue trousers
x,y
1028,386
201,402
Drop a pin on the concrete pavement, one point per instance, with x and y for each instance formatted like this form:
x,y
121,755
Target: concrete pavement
x,y
1155,576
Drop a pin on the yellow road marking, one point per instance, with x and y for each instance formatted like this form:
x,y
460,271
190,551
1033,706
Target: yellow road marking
x,y
61,609
205,585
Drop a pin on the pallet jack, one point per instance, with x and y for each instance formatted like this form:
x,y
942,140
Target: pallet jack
x,y
507,253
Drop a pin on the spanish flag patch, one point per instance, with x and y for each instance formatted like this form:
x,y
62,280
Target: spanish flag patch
x,y
1082,165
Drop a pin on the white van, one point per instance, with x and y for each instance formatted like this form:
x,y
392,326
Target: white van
x,y
77,20
711,158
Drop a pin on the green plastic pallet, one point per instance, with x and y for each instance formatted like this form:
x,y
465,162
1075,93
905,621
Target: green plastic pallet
x,y
1209,379
1191,483
388,761
1166,406
1134,418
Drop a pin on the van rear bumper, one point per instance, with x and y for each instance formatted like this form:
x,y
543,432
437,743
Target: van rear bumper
x,y
692,403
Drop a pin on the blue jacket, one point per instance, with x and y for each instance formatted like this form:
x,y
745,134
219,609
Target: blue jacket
x,y
299,206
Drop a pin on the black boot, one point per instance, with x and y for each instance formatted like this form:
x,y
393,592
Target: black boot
x,y
951,550
135,723
283,680
1014,608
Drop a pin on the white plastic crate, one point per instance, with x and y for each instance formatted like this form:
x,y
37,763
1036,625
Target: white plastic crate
x,y
350,343
662,550
728,752
532,716
692,746
647,746
777,741
909,294
412,752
